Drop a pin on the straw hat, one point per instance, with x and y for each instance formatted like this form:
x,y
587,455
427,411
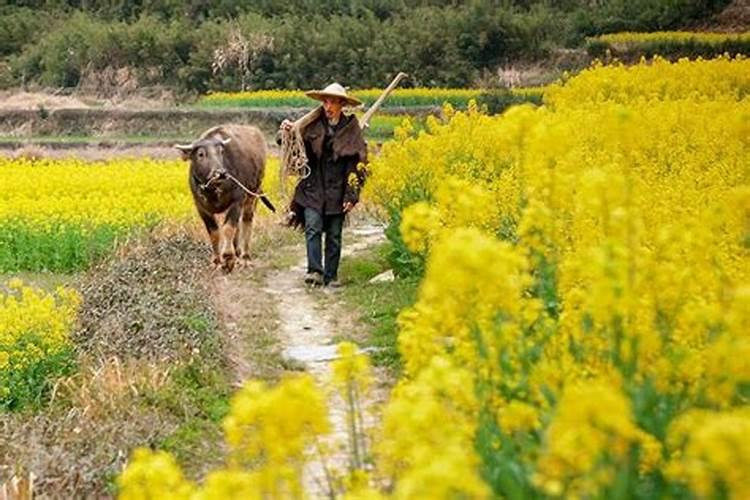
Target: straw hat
x,y
334,90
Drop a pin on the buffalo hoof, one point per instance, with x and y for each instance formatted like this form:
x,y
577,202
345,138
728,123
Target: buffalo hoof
x,y
229,263
243,261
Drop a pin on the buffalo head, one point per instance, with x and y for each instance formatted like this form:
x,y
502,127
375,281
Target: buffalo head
x,y
206,160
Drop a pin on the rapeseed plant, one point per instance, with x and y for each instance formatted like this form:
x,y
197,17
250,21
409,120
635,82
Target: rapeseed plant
x,y
34,341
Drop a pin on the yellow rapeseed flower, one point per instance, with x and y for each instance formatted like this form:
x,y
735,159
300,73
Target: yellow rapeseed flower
x,y
153,474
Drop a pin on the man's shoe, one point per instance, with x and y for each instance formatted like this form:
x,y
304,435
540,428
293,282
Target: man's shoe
x,y
334,284
314,279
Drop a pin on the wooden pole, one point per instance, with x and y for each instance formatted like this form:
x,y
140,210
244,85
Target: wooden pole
x,y
364,122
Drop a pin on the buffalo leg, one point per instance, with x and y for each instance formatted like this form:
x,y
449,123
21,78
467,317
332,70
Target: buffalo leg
x,y
246,227
228,233
213,234
238,233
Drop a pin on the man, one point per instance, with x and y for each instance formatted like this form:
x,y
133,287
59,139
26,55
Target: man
x,y
336,154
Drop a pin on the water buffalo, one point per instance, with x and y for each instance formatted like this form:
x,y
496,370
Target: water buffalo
x,y
226,161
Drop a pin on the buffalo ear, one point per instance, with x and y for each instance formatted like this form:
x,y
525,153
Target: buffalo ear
x,y
185,150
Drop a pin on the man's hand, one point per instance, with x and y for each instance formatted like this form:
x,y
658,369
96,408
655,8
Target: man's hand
x,y
286,125
348,206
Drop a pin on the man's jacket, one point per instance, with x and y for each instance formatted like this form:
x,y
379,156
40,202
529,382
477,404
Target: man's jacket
x,y
333,154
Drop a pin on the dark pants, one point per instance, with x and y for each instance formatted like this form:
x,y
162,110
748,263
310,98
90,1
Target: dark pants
x,y
315,225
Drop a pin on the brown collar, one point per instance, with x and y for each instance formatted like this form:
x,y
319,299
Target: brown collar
x,y
347,139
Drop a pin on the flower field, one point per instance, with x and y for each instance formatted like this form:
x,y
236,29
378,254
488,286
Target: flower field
x,y
673,36
62,215
400,97
670,43
297,98
581,328
587,276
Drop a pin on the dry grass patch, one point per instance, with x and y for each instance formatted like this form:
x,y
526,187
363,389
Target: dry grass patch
x,y
80,443
102,388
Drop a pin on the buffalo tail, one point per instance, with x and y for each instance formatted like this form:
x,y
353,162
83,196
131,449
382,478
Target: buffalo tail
x,y
267,203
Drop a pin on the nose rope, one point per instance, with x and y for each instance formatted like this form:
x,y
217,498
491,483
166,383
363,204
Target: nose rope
x,y
236,181
262,196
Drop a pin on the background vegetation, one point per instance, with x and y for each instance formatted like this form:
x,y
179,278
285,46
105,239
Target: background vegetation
x,y
234,45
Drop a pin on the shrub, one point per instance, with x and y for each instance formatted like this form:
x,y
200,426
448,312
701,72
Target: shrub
x,y
639,15
498,100
20,27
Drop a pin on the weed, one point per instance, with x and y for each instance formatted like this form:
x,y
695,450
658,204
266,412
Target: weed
x,y
378,304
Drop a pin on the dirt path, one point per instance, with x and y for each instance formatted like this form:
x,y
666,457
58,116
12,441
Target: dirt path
x,y
308,339
273,322
247,311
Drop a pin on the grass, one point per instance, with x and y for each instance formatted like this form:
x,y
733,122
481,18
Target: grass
x,y
364,266
29,387
377,304
382,126
62,248
199,393
46,281
259,344
272,244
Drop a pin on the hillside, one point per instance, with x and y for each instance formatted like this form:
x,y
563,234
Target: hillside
x,y
734,18
113,47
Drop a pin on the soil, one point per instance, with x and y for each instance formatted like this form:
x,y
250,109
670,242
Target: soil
x,y
247,311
